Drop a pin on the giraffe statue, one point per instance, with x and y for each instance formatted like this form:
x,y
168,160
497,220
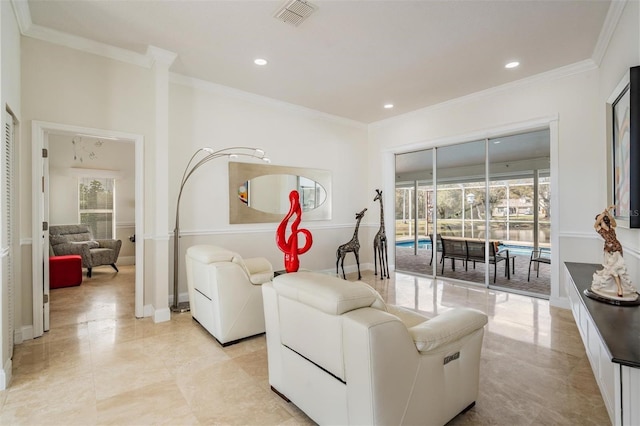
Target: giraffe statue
x,y
352,246
380,243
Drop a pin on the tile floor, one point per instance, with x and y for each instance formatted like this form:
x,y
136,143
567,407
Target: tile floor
x,y
100,365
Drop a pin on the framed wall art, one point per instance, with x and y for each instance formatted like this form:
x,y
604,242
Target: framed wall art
x,y
623,109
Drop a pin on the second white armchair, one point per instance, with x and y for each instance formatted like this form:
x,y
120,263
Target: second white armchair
x,y
225,293
344,357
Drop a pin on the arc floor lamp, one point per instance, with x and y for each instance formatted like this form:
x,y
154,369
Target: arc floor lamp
x,y
210,154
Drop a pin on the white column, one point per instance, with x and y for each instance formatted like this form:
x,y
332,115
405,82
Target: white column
x,y
161,61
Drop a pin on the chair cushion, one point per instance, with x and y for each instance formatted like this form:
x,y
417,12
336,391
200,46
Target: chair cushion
x,y
90,244
102,256
85,236
58,239
324,292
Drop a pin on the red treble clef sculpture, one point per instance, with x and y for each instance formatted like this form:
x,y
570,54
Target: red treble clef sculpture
x,y
290,245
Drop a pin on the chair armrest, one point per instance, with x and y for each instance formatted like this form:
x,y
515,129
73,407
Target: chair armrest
x,y
111,244
503,253
260,270
447,327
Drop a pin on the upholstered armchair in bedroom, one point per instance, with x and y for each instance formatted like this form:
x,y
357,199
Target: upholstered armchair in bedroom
x,y
77,239
225,292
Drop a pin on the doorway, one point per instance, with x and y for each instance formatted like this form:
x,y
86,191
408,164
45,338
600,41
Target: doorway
x,y
476,211
43,135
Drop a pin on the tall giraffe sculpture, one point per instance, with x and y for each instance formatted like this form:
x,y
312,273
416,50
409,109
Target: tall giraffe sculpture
x,y
380,243
352,246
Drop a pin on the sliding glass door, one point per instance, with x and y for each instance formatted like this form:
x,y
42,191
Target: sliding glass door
x,y
482,207
519,182
414,212
460,210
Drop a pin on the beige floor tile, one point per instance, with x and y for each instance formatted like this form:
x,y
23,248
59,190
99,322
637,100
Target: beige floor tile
x,y
154,404
50,398
224,394
100,365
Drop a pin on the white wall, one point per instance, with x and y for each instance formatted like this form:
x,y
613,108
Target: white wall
x,y
10,99
577,99
70,87
208,115
112,159
623,52
65,86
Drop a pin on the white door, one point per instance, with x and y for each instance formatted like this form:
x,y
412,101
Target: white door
x,y
45,232
7,216
40,232
40,215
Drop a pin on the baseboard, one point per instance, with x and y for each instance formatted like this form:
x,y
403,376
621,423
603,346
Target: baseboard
x,y
25,333
348,269
560,302
147,311
162,315
5,375
182,297
126,260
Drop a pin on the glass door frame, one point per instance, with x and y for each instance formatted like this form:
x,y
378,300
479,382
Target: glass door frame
x,y
550,123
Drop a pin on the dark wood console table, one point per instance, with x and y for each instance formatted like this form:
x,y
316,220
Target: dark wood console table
x,y
611,336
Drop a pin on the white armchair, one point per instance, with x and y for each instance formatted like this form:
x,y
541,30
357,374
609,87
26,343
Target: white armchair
x,y
344,357
225,294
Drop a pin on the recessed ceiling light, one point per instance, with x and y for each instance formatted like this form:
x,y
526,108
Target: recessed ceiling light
x,y
260,61
513,64
388,106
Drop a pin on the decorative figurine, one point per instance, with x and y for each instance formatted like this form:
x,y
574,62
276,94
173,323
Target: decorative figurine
x,y
380,243
290,245
613,281
352,246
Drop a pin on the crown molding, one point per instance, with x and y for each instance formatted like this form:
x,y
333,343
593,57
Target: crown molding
x,y
23,15
220,89
161,56
28,29
566,71
88,46
154,55
610,23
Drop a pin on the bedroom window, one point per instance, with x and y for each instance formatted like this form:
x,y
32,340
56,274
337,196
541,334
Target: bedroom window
x,y
96,205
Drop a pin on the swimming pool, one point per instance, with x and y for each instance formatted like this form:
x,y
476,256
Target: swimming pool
x,y
426,244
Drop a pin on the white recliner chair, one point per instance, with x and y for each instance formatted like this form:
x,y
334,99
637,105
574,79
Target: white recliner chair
x,y
225,294
344,357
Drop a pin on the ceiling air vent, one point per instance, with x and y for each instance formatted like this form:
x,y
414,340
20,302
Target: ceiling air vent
x,y
294,12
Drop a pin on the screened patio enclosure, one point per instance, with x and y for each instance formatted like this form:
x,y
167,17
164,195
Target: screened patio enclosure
x,y
487,205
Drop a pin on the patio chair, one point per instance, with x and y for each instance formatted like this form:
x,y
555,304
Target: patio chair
x,y
437,246
542,255
476,253
454,249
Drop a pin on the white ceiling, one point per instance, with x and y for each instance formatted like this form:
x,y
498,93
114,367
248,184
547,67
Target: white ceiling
x,y
349,57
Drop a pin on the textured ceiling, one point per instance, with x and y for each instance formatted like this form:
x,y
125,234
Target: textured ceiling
x,y
349,57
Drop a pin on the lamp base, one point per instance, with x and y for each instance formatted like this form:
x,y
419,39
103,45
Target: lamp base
x,y
182,307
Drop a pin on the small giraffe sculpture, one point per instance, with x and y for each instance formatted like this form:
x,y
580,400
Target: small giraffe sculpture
x,y
380,243
352,246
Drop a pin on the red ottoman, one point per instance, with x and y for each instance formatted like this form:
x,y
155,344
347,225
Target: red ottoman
x,y
65,271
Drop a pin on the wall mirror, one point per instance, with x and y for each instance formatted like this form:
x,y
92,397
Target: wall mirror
x,y
259,193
